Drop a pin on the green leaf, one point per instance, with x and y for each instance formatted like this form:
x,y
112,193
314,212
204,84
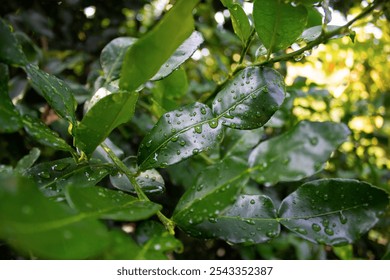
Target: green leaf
x,y
240,142
44,135
10,50
56,92
178,135
252,219
150,180
9,117
182,53
27,161
53,176
158,245
314,32
297,153
250,99
37,227
217,188
122,247
333,211
104,203
278,24
109,111
240,21
112,56
145,57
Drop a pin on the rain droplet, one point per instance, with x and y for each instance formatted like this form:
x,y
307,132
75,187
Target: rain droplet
x,y
198,129
329,231
182,143
213,123
271,234
252,201
339,241
316,227
326,197
157,247
203,111
195,151
44,174
60,166
148,144
174,138
298,57
301,231
314,141
212,220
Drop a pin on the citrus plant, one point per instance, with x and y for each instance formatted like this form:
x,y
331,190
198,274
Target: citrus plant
x,y
215,150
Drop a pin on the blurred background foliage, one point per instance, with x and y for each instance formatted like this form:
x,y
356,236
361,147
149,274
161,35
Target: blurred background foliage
x,y
343,81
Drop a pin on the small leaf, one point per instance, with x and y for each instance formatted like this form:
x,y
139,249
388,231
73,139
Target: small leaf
x,y
44,135
178,135
104,203
112,56
217,188
110,111
10,120
150,180
240,21
278,24
10,50
37,227
333,211
314,32
240,142
250,99
182,53
296,154
56,92
53,176
145,57
27,161
252,219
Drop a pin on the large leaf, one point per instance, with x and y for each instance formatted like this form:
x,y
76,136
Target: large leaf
x,y
112,56
145,57
296,154
43,134
182,53
53,176
178,135
252,219
333,211
109,111
217,188
56,92
10,50
250,99
41,228
9,117
104,203
240,21
277,23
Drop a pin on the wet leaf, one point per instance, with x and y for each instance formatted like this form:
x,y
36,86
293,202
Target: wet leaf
x,y
240,21
158,246
53,176
252,219
182,53
150,180
216,189
109,111
27,161
145,57
10,50
278,24
44,135
314,32
250,99
178,135
333,211
56,92
112,56
122,247
240,142
37,227
104,203
9,117
297,153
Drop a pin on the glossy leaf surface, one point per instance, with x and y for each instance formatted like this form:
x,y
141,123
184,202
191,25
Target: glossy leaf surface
x,y
178,135
252,219
43,134
112,56
277,23
145,57
250,99
52,177
314,32
240,21
10,50
105,115
9,116
156,247
216,189
296,154
333,211
38,227
240,142
27,161
182,53
56,92
104,203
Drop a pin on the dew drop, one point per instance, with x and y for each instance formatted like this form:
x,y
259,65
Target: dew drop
x,y
44,174
174,138
316,227
271,234
339,241
182,143
301,230
198,129
148,144
60,166
252,201
212,220
329,231
195,151
213,123
203,111
314,141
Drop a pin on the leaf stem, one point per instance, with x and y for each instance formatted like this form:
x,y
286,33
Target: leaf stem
x,y
246,47
169,224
